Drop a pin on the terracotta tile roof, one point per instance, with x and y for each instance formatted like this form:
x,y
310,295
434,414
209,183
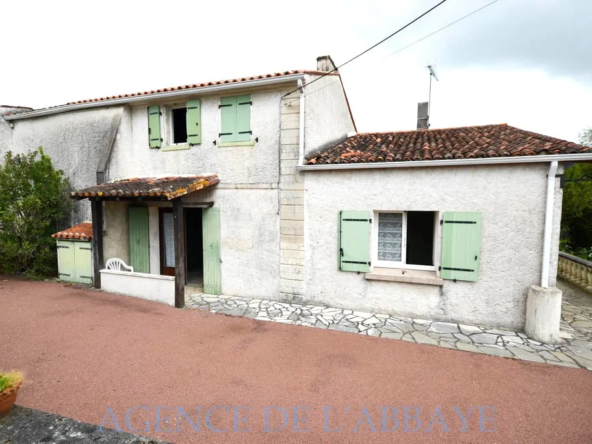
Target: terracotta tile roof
x,y
195,85
81,231
165,187
439,144
178,88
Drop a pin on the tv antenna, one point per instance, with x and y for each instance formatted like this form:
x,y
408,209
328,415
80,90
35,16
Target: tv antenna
x,y
432,74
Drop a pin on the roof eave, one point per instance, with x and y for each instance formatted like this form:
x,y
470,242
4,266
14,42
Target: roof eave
x,y
584,157
162,95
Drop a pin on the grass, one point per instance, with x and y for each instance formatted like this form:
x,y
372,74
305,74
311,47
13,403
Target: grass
x,y
10,379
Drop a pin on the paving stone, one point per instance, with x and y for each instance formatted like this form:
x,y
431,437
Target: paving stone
x,y
463,338
563,364
403,326
467,347
548,356
362,314
501,332
443,327
421,338
581,352
513,339
582,324
582,344
469,329
373,332
407,337
420,327
447,345
484,338
320,324
372,321
340,327
392,335
524,355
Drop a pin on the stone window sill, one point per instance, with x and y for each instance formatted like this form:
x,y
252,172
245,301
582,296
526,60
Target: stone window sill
x,y
246,143
402,275
183,146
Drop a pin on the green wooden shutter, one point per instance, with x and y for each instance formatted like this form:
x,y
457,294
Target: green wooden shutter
x,y
154,126
194,122
211,254
228,130
354,241
83,258
461,246
243,118
66,262
139,244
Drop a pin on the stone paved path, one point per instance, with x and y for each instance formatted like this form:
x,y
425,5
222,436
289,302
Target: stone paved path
x,y
574,351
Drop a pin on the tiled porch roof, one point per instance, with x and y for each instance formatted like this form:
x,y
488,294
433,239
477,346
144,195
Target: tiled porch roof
x,y
82,231
166,188
440,144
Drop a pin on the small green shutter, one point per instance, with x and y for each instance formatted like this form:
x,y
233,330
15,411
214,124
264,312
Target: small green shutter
x,y
211,254
243,118
228,116
154,126
83,257
354,241
194,122
139,245
66,261
461,246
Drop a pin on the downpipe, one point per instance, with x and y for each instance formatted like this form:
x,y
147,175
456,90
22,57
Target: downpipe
x,y
548,223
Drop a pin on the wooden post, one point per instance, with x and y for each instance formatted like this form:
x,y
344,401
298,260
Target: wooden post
x,y
179,236
97,240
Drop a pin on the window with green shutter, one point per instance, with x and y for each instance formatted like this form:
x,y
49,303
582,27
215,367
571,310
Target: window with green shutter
x,y
236,118
154,132
461,246
354,241
194,121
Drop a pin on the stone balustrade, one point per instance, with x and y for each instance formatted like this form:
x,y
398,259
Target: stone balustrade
x,y
576,271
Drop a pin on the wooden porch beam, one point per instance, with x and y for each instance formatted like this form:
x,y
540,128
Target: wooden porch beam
x,y
179,236
97,241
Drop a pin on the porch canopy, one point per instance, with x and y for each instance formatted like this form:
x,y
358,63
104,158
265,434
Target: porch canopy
x,y
168,189
148,189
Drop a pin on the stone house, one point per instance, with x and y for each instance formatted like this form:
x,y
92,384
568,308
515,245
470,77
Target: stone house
x,y
261,187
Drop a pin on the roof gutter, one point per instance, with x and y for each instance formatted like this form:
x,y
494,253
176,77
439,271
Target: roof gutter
x,y
156,96
585,157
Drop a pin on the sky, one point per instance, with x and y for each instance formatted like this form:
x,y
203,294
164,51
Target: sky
x,y
523,62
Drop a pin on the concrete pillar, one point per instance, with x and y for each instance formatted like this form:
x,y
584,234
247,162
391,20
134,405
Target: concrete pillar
x,y
543,313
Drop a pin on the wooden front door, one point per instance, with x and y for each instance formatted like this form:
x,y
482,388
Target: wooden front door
x,y
167,242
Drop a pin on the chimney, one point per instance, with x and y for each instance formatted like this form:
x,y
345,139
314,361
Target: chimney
x,y
325,63
423,120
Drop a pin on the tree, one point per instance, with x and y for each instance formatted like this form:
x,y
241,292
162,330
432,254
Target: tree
x,y
33,204
576,218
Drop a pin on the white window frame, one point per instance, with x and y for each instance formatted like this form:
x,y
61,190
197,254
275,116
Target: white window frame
x,y
167,122
402,263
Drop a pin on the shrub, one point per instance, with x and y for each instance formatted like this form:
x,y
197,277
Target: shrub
x,y
10,380
34,204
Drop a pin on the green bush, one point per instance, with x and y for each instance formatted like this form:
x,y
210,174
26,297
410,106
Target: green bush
x,y
34,204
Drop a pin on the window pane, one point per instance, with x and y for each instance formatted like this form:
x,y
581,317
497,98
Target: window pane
x,y
179,116
420,237
390,236
169,241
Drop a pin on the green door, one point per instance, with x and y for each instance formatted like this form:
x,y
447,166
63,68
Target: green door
x,y
139,244
66,263
211,254
83,258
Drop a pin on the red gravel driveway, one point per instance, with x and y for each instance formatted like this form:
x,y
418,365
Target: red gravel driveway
x,y
94,356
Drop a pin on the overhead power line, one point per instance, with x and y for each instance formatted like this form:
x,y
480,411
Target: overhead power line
x,y
441,29
372,47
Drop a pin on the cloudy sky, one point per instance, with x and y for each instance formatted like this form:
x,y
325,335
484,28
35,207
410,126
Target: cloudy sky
x,y
523,62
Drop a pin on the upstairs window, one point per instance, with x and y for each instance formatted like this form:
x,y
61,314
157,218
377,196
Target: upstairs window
x,y
178,119
236,119
178,124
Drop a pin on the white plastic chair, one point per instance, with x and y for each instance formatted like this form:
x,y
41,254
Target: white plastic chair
x,y
116,264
